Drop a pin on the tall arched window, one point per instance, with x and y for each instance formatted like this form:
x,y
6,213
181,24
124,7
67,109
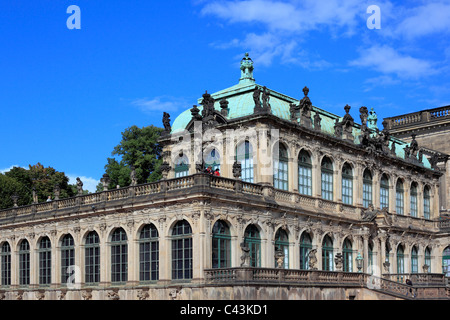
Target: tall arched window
x,y
6,264
149,253
426,203
280,168
446,262
327,178
213,159
305,249
45,261
92,258
253,242
400,262
399,197
67,258
221,245
414,260
367,188
182,251
24,263
370,267
304,173
244,156
413,199
282,244
119,256
428,259
327,254
384,192
347,184
347,252
181,166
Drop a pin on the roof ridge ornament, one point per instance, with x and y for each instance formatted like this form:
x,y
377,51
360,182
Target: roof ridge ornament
x,y
246,70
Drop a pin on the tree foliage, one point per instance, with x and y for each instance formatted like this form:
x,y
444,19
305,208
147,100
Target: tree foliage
x,y
139,147
22,181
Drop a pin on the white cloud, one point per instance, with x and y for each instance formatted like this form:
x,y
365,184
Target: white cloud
x,y
8,169
89,184
387,60
430,18
159,104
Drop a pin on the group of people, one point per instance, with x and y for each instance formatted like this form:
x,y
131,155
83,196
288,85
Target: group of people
x,y
211,171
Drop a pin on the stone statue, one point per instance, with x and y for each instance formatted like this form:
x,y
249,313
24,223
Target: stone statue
x,y
35,197
256,99
312,259
338,259
79,187
337,128
364,113
372,119
279,258
245,257
166,122
224,107
237,170
414,146
369,213
265,100
317,120
306,108
133,176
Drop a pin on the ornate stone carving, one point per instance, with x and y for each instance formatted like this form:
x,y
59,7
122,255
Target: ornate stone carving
x,y
79,186
237,170
306,108
143,294
245,256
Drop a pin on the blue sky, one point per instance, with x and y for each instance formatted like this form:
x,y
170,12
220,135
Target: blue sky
x,y
66,95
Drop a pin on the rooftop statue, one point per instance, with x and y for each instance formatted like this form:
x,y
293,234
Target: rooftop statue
x,y
372,119
246,70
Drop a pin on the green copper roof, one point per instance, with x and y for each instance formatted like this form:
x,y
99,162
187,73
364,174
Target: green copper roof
x,y
240,104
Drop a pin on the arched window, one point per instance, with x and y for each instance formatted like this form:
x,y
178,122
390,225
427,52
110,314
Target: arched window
x,y
304,173
446,262
399,198
370,269
282,244
305,249
367,188
327,254
45,261
24,263
213,159
6,264
67,258
428,259
384,192
426,203
400,262
92,258
327,179
149,253
413,199
280,168
181,166
244,156
221,245
119,256
347,184
414,260
347,256
253,242
182,251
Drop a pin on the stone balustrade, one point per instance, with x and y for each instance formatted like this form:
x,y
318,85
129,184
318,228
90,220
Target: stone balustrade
x,y
206,182
425,286
424,116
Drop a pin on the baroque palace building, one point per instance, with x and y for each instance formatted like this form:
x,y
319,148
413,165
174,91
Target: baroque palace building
x,y
308,205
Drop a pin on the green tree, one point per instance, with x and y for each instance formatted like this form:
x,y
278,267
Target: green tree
x,y
43,179
139,147
10,186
